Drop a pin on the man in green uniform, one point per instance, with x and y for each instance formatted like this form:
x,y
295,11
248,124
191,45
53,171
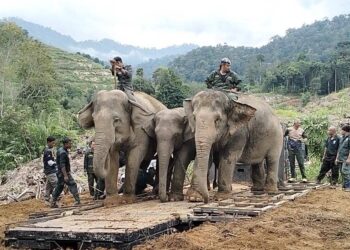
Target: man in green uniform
x,y
63,174
329,155
224,79
343,157
89,167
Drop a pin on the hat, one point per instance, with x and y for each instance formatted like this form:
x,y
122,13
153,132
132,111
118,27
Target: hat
x,y
66,140
118,59
225,60
346,128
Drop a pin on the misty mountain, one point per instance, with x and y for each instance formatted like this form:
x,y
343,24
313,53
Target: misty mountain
x,y
103,49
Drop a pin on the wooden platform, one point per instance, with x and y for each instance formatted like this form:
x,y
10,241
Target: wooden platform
x,y
92,225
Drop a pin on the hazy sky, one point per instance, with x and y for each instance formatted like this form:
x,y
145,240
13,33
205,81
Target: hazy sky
x,y
156,23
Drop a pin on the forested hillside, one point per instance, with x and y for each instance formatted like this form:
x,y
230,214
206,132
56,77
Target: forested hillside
x,y
314,58
42,88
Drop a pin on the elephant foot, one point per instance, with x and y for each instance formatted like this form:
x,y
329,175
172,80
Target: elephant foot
x,y
271,189
112,200
219,196
127,199
195,196
163,197
176,197
257,189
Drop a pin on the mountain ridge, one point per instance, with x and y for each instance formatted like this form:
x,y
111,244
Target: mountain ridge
x,y
103,49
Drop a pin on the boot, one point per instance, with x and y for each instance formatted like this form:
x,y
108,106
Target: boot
x,y
54,204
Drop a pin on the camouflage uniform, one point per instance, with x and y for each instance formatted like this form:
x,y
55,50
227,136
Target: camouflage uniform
x,y
217,81
88,167
50,170
343,153
124,81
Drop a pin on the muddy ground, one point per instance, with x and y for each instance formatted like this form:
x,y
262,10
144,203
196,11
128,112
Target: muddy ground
x,y
320,220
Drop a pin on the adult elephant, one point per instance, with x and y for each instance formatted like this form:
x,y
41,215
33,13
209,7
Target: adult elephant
x,y
174,137
120,124
245,130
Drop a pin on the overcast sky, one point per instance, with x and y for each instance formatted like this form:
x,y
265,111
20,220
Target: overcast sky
x,y
156,23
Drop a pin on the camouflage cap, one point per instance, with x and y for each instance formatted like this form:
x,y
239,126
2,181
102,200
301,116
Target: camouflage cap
x,y
225,60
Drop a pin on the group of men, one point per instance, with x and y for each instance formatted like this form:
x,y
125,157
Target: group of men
x,y
335,156
58,171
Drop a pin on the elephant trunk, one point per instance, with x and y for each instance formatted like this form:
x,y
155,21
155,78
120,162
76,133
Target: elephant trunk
x,y
164,149
101,154
204,144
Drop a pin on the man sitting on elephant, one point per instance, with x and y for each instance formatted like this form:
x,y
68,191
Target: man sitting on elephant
x,y
224,79
124,75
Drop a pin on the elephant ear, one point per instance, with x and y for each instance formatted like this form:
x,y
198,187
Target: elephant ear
x,y
239,116
189,113
187,132
85,116
149,127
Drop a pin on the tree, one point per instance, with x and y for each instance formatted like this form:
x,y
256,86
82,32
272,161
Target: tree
x,y
11,38
141,84
170,90
36,74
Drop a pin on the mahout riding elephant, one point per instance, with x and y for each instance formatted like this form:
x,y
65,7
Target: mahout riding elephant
x,y
120,124
174,137
245,130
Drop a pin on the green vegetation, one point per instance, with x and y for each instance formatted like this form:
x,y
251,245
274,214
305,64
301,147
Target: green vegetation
x,y
313,59
40,90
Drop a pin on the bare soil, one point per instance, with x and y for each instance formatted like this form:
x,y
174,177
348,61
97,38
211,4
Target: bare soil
x,y
319,220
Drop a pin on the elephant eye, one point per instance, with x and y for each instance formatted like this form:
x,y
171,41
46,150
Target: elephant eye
x,y
116,120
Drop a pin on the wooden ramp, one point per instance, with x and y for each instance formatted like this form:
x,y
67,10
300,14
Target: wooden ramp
x,y
118,227
122,227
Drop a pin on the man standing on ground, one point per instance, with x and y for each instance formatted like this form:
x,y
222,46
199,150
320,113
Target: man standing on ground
x,y
50,167
329,156
295,136
89,167
63,174
343,157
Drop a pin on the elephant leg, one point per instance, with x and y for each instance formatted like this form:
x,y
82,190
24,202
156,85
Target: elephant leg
x,y
135,157
170,173
258,176
272,162
225,173
112,197
183,158
216,161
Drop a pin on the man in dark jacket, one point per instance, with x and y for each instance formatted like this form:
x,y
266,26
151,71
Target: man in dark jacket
x,y
329,156
343,156
63,174
50,167
89,167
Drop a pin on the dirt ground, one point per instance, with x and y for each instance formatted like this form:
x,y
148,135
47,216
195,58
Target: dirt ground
x,y
319,220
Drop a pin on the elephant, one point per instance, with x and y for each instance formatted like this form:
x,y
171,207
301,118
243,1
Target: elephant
x,y
173,134
245,130
119,125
